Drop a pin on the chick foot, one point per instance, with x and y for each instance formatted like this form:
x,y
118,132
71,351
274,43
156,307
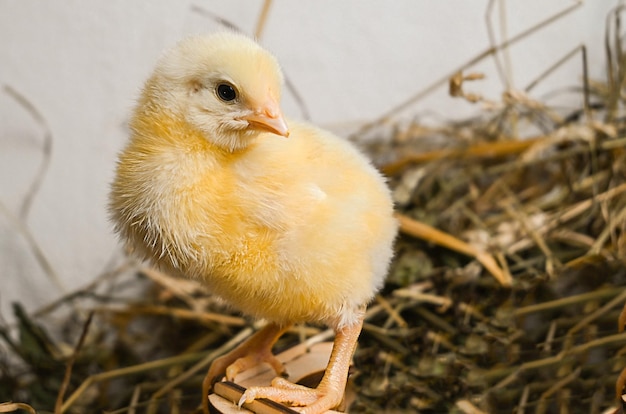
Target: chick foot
x,y
330,391
252,352
315,400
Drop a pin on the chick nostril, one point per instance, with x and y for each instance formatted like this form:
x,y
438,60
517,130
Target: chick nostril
x,y
271,113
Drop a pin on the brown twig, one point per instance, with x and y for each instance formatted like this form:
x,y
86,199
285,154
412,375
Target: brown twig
x,y
35,248
430,234
570,300
46,149
260,24
496,149
9,407
202,317
70,364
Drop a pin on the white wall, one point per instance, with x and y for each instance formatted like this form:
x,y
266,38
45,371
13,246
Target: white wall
x,y
81,63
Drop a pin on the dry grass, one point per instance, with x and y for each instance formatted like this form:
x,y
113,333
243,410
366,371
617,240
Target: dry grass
x,y
504,295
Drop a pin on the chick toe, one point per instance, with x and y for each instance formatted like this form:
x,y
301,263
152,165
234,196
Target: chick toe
x,y
254,358
312,400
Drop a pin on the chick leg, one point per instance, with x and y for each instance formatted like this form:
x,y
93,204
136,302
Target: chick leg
x,y
257,349
330,391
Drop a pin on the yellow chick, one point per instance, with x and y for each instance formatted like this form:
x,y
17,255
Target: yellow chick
x,y
291,230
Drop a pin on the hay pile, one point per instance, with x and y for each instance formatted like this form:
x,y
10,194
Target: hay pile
x,y
511,304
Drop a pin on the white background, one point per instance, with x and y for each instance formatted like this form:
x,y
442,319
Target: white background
x,y
81,64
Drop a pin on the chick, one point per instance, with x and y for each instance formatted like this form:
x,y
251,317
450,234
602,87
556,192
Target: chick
x,y
290,230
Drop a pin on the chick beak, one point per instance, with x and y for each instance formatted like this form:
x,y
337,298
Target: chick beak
x,y
269,118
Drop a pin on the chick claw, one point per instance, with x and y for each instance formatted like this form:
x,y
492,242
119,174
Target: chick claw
x,y
252,360
312,401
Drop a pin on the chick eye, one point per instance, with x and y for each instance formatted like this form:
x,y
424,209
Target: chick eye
x,y
226,92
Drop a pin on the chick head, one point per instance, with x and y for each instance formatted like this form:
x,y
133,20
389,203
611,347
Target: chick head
x,y
225,85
